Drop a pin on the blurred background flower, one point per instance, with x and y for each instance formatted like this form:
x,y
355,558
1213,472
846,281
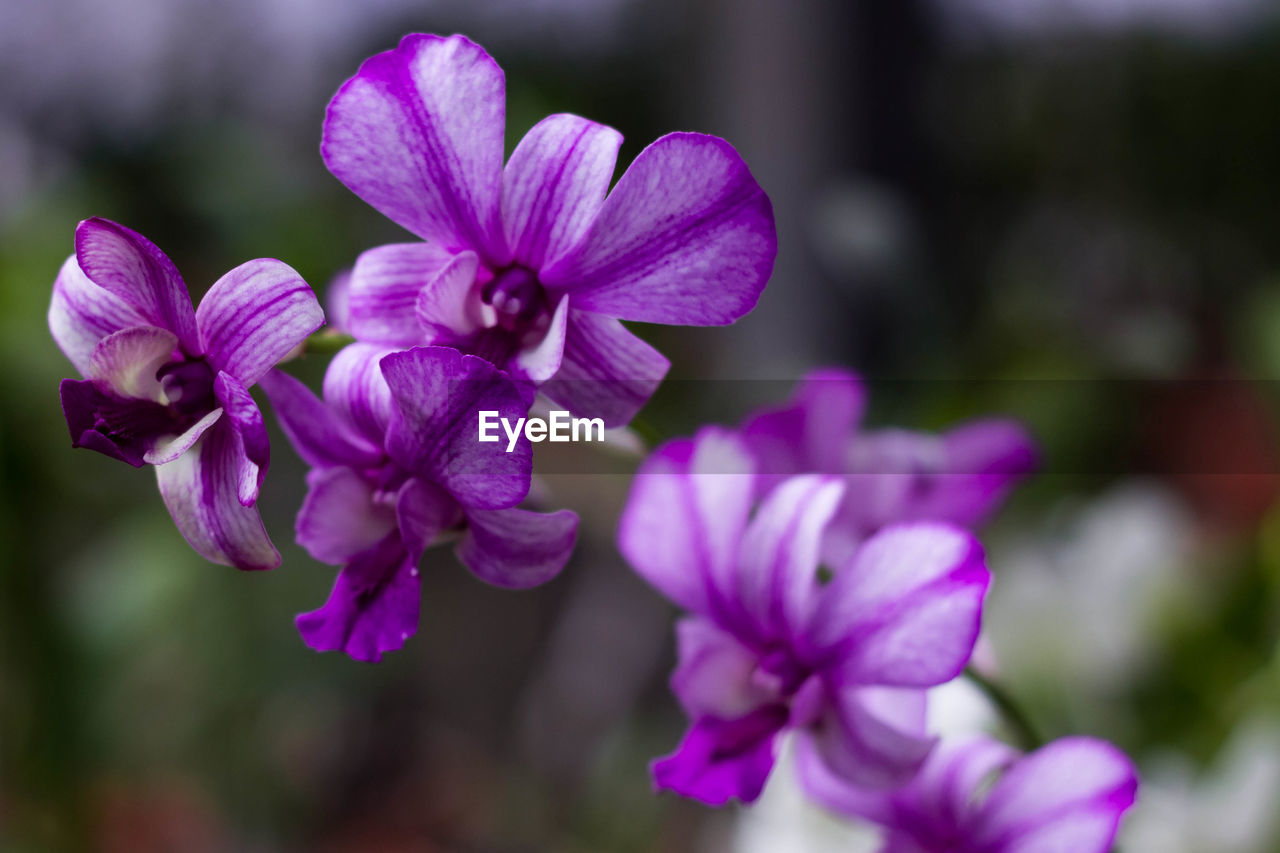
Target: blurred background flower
x,y
1061,212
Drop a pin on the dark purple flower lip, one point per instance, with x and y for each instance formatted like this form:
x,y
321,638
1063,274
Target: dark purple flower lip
x,y
519,301
126,428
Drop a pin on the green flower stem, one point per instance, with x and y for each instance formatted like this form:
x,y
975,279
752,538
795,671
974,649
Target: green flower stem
x,y
1022,729
326,342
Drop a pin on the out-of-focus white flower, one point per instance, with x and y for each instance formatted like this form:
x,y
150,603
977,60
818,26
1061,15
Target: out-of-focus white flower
x,y
1080,604
1231,808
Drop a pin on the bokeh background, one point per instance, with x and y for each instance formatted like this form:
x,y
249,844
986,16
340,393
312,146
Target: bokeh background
x,y
1063,210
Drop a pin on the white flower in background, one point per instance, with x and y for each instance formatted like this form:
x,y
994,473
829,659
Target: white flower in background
x,y
1230,808
1079,604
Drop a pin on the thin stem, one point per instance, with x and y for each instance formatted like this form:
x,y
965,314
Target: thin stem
x,y
326,342
1025,732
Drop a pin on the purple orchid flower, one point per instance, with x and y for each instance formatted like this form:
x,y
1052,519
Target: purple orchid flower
x,y
167,385
893,475
531,266
770,647
396,466
1066,797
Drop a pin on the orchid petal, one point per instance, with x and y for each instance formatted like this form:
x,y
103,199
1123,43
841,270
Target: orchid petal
x,y
873,736
201,490
812,432
418,134
722,760
439,394
685,515
778,563
714,675
340,516
1066,797
168,448
686,237
386,284
315,430
541,361
515,548
606,372
906,611
126,362
254,316
81,314
373,607
554,184
131,267
246,418
447,306
354,387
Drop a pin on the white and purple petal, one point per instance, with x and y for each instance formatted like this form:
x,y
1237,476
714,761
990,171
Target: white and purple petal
x,y
246,420
905,612
201,489
126,363
686,237
871,737
812,433
554,185
716,676
253,316
777,572
355,388
81,314
684,518
132,268
418,134
388,282
606,372
1067,797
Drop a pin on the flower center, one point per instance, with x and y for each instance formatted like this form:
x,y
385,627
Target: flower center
x,y
518,300
188,387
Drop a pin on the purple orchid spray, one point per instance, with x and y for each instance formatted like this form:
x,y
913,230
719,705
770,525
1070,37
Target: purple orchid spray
x,y
396,466
977,795
892,475
168,386
530,265
770,647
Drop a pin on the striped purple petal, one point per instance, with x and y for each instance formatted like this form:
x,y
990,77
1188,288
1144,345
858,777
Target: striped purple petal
x,y
553,186
373,606
1067,796
355,388
905,611
81,314
201,489
871,737
126,362
315,430
606,371
684,518
418,134
254,315
715,674
516,548
245,418
386,285
686,237
132,268
439,394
